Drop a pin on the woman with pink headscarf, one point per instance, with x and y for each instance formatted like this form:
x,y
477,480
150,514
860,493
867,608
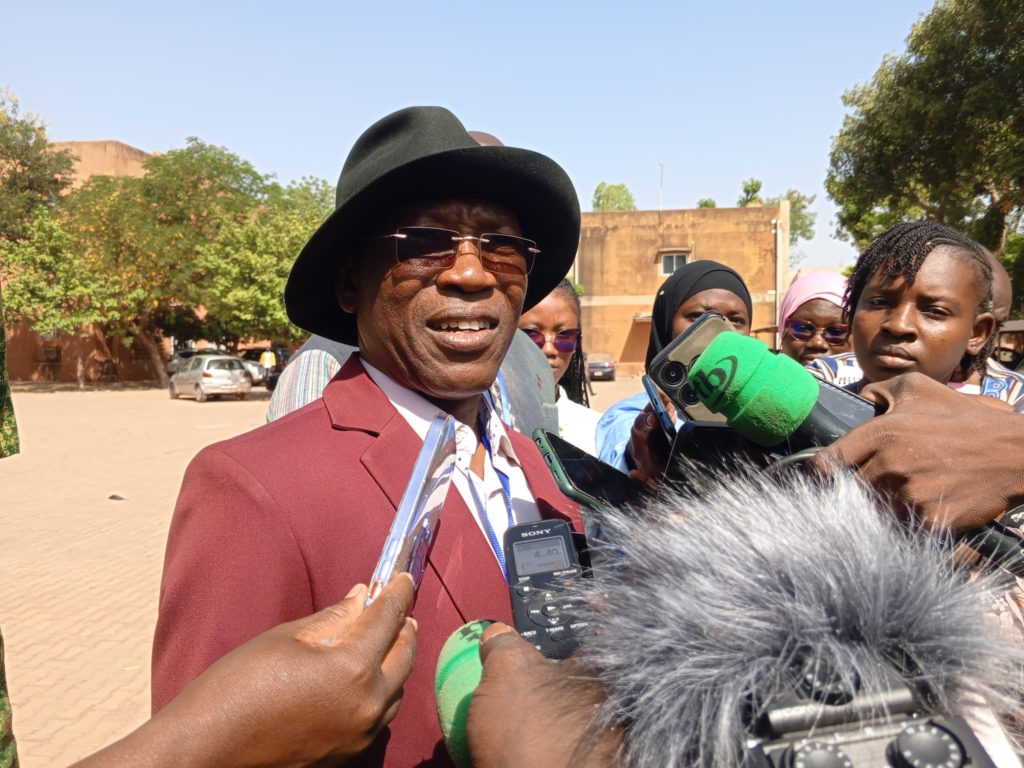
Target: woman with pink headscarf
x,y
811,320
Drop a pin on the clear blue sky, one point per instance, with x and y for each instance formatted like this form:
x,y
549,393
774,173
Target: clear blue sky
x,y
716,90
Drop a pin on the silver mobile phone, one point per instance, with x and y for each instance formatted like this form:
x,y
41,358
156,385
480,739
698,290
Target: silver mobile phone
x,y
671,368
412,532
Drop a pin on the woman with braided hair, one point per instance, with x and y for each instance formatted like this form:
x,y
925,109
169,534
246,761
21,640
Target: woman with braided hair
x,y
554,326
920,299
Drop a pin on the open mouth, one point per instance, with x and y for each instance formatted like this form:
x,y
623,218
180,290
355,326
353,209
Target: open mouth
x,y
463,334
463,325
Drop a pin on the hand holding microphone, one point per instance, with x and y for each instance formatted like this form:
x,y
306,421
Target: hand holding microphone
x,y
953,458
502,704
956,460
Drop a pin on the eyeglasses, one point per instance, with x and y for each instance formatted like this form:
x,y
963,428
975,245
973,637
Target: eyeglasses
x,y
437,248
565,340
834,335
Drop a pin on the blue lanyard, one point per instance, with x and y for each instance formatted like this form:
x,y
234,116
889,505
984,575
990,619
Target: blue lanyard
x,y
506,494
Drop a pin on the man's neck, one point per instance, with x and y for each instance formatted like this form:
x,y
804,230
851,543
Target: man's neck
x,y
465,411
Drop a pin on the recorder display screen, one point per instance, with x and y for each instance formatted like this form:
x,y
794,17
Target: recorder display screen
x,y
540,555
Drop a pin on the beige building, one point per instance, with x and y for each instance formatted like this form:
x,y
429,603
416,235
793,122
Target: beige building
x,y
624,257
103,158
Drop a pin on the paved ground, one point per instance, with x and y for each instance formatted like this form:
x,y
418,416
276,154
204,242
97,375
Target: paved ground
x,y
80,570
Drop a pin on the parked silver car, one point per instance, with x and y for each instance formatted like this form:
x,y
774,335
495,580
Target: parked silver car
x,y
206,376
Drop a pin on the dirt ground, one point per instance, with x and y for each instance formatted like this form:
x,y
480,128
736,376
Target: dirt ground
x,y
84,512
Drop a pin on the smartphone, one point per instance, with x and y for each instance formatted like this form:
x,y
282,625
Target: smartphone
x,y
412,532
670,369
586,479
668,426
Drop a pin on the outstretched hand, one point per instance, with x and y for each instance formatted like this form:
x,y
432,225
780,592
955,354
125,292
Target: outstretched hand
x,y
318,688
648,446
956,460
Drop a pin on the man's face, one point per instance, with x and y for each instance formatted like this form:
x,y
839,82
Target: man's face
x,y
442,332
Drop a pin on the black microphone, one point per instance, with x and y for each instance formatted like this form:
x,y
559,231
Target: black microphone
x,y
770,621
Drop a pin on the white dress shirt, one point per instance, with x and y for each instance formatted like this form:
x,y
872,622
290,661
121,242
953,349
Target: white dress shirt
x,y
419,412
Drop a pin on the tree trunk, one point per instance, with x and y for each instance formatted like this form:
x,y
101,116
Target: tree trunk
x,y
990,229
155,352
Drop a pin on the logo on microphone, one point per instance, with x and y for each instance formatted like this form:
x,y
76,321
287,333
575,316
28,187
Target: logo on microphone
x,y
713,385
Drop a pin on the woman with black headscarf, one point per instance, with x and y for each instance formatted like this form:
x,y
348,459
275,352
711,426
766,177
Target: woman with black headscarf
x,y
626,436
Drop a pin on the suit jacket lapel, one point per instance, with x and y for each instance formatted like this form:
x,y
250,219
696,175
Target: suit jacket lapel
x,y
460,557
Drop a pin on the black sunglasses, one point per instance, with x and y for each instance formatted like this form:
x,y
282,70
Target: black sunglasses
x,y
565,340
834,335
437,248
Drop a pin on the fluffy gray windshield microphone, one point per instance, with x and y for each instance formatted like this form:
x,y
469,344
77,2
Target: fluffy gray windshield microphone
x,y
711,603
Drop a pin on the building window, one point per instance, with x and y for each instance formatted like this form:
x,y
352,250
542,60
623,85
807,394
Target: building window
x,y
670,262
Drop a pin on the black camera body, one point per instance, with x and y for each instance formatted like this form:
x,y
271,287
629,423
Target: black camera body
x,y
823,724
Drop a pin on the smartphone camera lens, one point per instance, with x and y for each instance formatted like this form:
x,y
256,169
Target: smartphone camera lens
x,y
673,374
688,396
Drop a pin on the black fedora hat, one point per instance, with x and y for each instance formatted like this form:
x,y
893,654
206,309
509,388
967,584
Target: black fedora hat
x,y
422,153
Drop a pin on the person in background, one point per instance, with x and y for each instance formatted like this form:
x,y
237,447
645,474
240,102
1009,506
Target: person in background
x,y
554,326
267,362
994,378
811,319
920,299
9,446
628,433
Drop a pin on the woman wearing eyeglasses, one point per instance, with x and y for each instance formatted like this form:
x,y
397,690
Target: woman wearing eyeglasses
x,y
811,319
554,326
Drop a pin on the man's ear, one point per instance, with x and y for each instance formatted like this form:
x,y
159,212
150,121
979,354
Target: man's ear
x,y
346,285
984,327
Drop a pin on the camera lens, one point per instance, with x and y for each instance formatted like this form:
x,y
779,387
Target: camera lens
x,y
673,374
688,396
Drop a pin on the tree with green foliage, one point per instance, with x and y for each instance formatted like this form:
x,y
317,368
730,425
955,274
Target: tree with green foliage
x,y
47,281
751,194
245,269
801,220
938,133
706,202
144,235
32,172
613,197
200,246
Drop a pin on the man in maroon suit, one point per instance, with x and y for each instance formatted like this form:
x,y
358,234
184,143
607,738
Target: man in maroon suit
x,y
436,246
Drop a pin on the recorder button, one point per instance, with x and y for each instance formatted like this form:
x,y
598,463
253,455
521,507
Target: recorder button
x,y
526,590
550,610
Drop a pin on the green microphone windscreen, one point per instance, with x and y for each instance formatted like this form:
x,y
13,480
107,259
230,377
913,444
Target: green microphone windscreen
x,y
457,676
764,396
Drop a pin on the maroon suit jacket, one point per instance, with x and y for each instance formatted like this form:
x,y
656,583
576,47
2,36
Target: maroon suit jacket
x,y
280,522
